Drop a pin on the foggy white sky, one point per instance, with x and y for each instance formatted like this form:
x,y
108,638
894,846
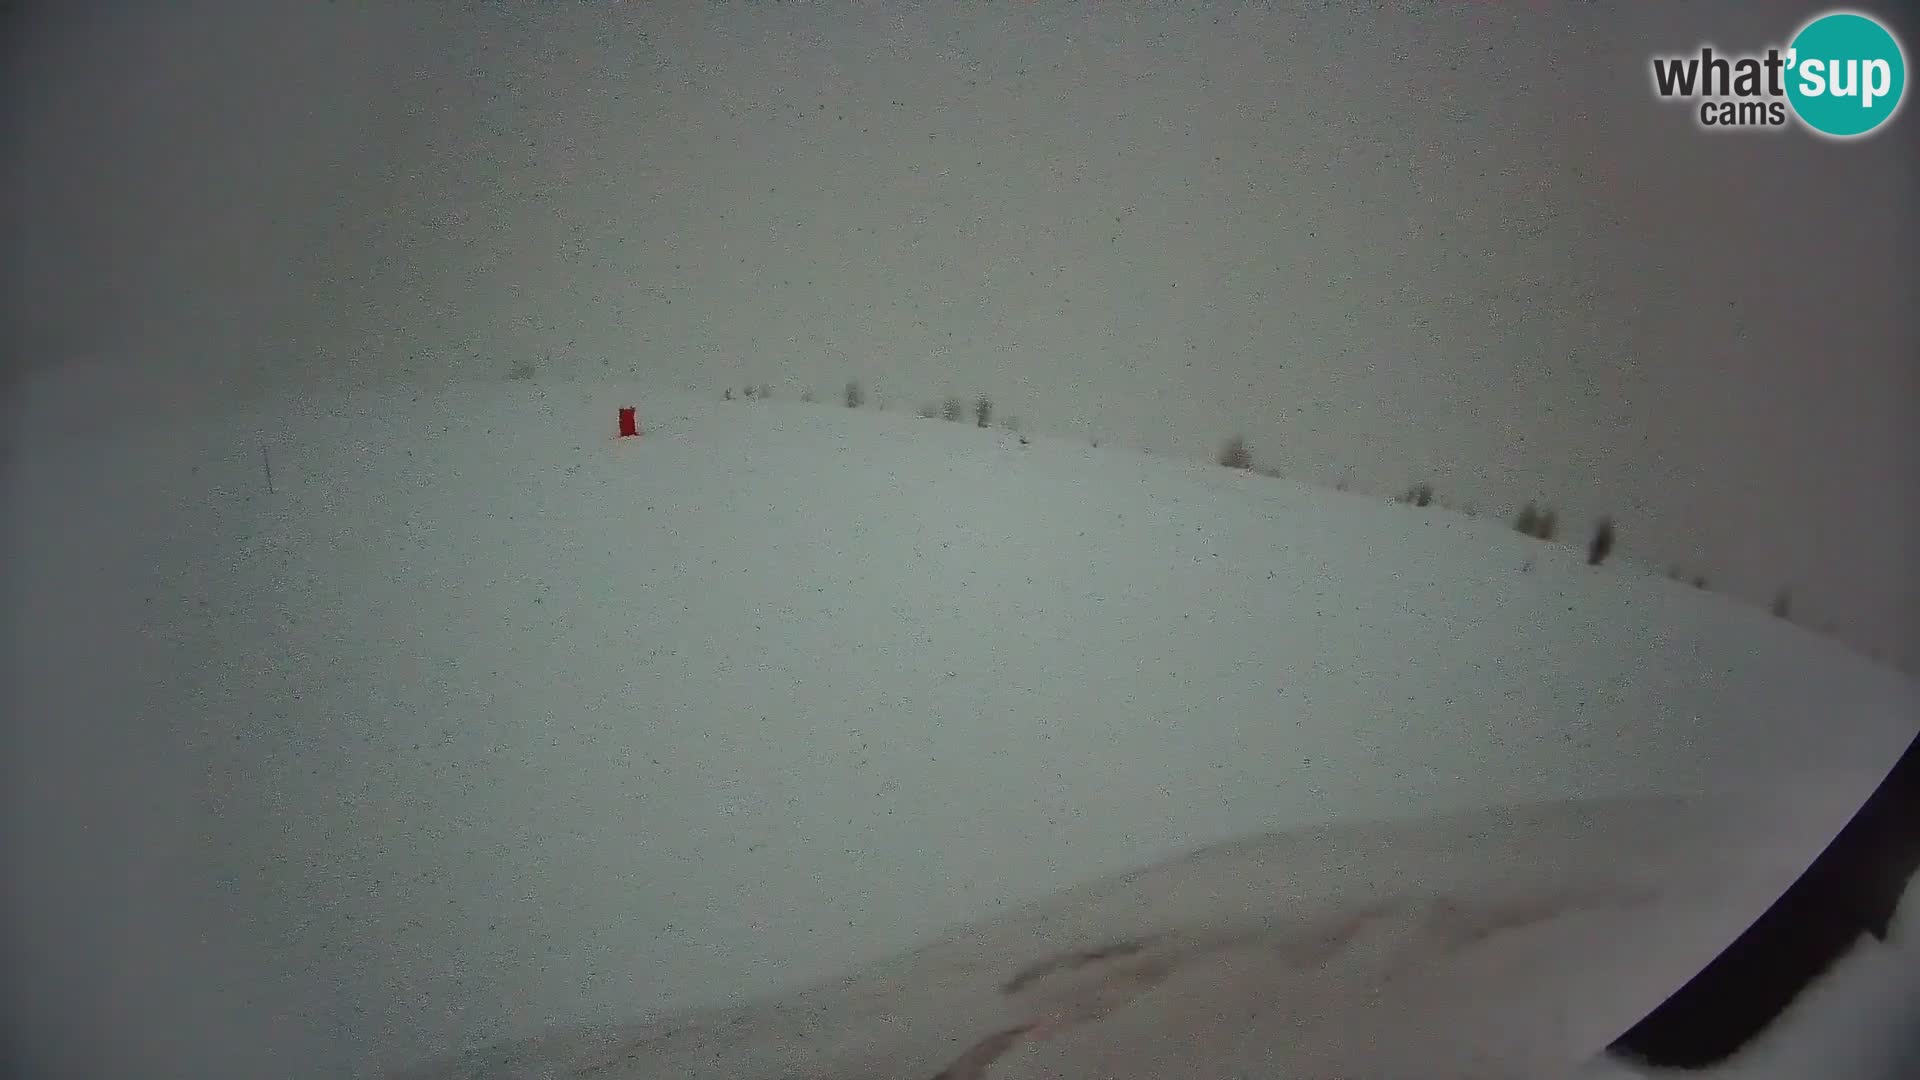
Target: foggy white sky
x,y
1453,242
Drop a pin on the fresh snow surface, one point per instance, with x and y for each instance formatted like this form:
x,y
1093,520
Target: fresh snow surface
x,y
485,723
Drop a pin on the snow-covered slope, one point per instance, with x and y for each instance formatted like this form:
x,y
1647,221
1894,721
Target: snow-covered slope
x,y
484,721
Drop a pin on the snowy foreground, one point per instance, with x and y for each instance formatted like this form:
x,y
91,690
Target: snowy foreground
x,y
1503,944
788,741
1856,1021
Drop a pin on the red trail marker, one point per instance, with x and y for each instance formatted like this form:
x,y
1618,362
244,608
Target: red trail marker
x,y
629,423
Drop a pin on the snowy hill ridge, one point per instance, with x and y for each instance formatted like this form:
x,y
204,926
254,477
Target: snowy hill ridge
x,y
483,721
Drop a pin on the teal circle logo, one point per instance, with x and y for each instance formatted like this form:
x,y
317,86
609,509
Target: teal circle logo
x,y
1846,74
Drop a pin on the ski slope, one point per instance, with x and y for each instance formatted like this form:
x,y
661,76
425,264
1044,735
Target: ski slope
x,y
484,723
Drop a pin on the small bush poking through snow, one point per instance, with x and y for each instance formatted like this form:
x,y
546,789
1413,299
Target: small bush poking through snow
x,y
748,393
929,411
1420,494
1548,526
952,408
1699,581
1602,543
1537,523
727,394
807,395
1235,455
983,412
1783,604
1527,521
855,398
